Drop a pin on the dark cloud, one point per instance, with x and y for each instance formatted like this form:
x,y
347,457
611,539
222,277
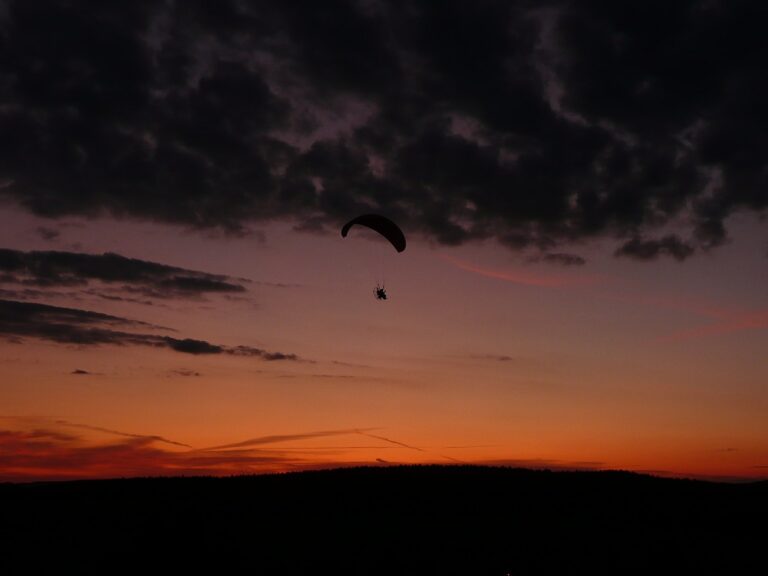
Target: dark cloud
x,y
534,123
32,293
641,249
18,317
190,346
51,269
80,372
86,328
258,352
49,234
493,357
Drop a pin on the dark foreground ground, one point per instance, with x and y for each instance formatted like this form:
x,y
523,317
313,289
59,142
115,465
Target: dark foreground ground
x,y
399,520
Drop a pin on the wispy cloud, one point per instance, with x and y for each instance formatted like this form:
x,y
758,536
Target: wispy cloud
x,y
46,269
87,328
184,372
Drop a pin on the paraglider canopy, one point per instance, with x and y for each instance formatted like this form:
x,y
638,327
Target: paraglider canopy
x,y
380,224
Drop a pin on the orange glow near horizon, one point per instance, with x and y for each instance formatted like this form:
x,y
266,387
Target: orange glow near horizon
x,y
481,363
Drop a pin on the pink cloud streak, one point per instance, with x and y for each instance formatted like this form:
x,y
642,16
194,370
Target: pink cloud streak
x,y
725,319
752,320
522,277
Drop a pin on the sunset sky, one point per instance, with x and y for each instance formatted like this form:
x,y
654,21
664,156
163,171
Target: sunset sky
x,y
583,187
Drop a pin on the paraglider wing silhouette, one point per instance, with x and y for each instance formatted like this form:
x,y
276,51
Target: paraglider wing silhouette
x,y
380,224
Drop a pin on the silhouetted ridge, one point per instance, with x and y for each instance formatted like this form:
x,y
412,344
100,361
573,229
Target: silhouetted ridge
x,y
392,520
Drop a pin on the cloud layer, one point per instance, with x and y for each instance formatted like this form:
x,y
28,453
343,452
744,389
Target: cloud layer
x,y
532,123
47,453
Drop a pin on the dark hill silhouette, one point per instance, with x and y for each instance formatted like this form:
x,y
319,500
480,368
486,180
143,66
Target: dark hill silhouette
x,y
395,520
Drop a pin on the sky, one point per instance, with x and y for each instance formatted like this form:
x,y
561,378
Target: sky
x,y
581,186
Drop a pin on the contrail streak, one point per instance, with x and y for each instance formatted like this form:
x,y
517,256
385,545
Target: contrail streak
x,y
286,438
404,445
118,433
